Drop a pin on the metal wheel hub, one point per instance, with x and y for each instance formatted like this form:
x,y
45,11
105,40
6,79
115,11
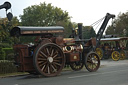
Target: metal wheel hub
x,y
94,60
50,59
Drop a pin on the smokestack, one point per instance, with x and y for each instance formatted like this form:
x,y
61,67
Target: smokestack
x,y
80,30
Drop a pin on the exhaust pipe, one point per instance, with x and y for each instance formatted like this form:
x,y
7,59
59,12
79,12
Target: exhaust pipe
x,y
80,30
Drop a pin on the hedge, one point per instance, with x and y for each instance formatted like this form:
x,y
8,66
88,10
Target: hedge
x,y
5,45
9,53
2,54
7,67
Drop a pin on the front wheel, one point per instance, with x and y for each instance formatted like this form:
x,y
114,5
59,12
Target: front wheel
x,y
115,55
92,62
76,66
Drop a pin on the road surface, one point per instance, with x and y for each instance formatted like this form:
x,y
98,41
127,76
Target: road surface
x,y
110,73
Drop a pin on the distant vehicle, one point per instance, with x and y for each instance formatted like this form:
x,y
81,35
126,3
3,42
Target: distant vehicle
x,y
114,47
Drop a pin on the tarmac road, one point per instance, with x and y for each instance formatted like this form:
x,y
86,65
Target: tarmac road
x,y
110,73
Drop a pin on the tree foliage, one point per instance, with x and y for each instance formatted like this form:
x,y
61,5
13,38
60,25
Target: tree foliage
x,y
45,15
5,28
88,32
120,25
2,54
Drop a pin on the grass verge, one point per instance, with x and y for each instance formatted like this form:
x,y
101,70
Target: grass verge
x,y
13,74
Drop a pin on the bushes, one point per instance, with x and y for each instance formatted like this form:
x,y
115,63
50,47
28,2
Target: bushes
x,y
5,45
7,67
2,54
6,58
9,53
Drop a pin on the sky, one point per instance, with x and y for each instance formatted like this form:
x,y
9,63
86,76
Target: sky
x,y
81,11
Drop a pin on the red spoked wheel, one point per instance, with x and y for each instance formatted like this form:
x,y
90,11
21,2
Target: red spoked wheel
x,y
49,59
92,62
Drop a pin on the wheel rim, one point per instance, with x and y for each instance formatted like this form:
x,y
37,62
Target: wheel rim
x,y
92,62
115,55
76,66
122,55
99,52
49,59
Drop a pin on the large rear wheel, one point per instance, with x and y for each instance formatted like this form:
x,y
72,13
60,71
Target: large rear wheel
x,y
49,59
92,62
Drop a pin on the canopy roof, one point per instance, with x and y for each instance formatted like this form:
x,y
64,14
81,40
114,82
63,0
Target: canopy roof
x,y
29,30
114,39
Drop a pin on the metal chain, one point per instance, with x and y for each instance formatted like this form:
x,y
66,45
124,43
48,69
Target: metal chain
x,y
97,23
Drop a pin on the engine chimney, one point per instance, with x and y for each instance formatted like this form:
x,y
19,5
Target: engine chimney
x,y
80,30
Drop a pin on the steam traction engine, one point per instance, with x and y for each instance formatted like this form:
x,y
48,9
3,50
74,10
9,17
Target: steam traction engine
x,y
49,56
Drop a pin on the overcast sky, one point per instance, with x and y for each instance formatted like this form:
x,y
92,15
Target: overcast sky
x,y
82,11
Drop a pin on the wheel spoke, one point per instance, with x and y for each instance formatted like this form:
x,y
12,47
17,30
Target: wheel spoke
x,y
54,70
43,54
43,63
57,63
56,52
48,70
52,52
95,64
54,65
89,61
55,55
40,62
43,68
92,66
47,51
56,60
41,59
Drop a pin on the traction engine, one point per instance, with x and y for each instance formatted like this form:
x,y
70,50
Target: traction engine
x,y
51,53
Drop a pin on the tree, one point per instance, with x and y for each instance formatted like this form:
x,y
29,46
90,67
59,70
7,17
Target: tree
x,y
2,54
5,28
120,27
45,15
88,32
